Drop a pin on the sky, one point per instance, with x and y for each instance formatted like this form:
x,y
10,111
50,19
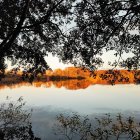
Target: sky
x,y
54,62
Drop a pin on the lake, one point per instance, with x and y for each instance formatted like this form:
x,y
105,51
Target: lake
x,y
49,101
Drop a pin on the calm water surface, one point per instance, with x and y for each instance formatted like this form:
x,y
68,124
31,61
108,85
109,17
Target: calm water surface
x,y
94,99
47,103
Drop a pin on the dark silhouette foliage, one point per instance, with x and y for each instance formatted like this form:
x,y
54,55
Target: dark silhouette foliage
x,y
102,26
2,68
15,122
76,127
30,29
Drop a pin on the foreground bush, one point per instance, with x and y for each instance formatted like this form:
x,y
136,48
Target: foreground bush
x,y
15,123
76,127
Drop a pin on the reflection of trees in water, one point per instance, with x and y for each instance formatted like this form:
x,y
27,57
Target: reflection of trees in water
x,y
137,77
15,123
102,77
14,85
73,84
68,84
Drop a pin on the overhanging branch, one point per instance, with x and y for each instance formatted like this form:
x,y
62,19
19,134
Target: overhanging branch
x,y
45,18
6,46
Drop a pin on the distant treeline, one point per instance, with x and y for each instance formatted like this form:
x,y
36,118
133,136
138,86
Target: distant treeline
x,y
71,78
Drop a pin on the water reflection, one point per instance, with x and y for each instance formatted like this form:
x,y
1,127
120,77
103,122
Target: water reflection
x,y
44,120
73,84
68,84
96,98
47,103
51,98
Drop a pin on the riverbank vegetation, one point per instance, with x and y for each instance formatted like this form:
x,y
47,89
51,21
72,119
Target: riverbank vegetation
x,y
106,127
74,73
15,123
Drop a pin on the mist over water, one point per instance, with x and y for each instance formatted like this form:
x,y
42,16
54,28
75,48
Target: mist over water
x,y
48,102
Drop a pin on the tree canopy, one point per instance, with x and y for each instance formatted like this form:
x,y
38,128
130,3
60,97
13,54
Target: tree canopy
x,y
77,31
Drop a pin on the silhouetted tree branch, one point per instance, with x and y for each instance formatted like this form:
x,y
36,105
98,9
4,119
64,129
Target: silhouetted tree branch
x,y
95,27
